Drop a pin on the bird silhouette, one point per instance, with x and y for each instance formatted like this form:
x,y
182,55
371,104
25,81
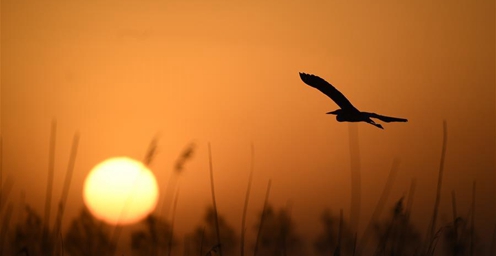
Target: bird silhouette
x,y
347,113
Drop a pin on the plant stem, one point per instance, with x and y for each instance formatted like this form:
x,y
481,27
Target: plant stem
x,y
430,235
48,195
216,217
67,184
255,251
247,197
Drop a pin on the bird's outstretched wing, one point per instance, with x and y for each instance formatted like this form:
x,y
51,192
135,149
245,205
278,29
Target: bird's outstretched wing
x,y
386,119
329,90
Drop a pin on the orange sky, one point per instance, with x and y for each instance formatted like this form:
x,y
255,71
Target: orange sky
x,y
226,72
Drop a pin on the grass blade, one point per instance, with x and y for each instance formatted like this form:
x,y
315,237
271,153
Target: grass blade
x,y
213,198
169,247
379,207
472,225
67,184
1,169
493,242
5,227
337,251
48,195
245,208
432,227
264,209
455,215
6,189
201,241
409,202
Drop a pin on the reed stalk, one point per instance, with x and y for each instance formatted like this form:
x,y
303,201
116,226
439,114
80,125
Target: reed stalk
x,y
262,218
48,194
201,241
169,247
165,203
409,201
493,242
216,217
6,189
67,184
380,206
355,244
430,235
4,228
116,233
247,197
337,251
1,170
472,223
455,223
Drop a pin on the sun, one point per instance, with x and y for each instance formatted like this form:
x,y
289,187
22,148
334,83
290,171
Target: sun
x,y
120,191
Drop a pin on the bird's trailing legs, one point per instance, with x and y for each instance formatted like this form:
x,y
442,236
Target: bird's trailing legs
x,y
370,121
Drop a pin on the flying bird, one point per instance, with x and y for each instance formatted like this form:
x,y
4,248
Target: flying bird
x,y
347,112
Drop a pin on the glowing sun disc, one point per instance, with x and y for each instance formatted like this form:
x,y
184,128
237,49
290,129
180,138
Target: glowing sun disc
x,y
120,190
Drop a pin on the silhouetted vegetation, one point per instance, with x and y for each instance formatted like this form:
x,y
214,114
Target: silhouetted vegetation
x,y
394,235
432,237
278,234
204,237
457,237
245,207
336,237
460,238
28,234
397,235
154,239
87,236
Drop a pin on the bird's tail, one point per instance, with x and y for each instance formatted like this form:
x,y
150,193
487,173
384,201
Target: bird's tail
x,y
386,119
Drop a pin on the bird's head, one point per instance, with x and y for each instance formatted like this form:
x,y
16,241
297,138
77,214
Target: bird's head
x,y
335,112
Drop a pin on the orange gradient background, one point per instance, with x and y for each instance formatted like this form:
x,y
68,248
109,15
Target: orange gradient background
x,y
226,72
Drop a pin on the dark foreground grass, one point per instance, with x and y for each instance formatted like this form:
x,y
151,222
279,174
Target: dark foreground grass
x,y
275,231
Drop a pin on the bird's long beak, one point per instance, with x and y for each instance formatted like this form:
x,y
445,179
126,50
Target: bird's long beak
x,y
332,112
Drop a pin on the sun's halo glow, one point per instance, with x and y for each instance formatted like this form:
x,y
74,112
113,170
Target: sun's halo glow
x,y
120,190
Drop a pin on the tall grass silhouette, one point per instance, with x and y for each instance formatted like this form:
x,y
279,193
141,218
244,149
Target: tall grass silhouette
x,y
247,198
170,188
262,218
49,187
394,234
332,240
1,172
158,238
411,193
379,207
337,252
65,192
493,242
149,157
431,237
4,227
472,223
216,216
169,244
455,246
